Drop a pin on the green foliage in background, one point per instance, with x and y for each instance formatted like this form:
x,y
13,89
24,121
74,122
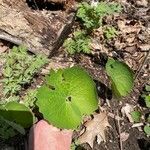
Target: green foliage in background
x,y
121,77
66,97
11,98
19,69
80,42
92,16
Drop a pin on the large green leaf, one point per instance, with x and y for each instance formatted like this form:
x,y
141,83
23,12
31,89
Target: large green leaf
x,y
17,113
67,95
9,129
121,76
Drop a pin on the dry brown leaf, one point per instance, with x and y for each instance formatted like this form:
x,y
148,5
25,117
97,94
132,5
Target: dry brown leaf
x,y
130,38
119,45
55,64
136,28
142,3
126,110
124,136
144,47
95,127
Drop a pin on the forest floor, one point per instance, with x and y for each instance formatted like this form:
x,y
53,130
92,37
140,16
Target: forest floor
x,y
131,46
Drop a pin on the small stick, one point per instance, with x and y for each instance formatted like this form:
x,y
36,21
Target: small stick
x,y
119,130
141,66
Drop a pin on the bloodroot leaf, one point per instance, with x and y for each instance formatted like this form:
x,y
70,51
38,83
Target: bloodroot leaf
x,y
66,96
121,77
18,113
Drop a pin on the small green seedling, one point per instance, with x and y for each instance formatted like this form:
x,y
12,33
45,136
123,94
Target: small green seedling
x,y
147,101
80,42
136,116
110,32
147,129
30,98
147,88
66,97
121,77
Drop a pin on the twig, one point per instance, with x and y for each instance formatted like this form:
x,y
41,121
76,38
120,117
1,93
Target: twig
x,y
141,66
7,37
119,130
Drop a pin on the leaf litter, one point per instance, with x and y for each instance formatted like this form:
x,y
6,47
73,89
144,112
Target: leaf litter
x,y
95,127
131,44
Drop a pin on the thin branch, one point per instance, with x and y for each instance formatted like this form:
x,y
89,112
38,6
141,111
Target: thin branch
x,y
142,65
119,130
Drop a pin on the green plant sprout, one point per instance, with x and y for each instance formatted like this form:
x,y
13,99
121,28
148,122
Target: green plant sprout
x,y
80,42
19,69
110,32
66,97
121,77
147,129
91,16
136,116
30,98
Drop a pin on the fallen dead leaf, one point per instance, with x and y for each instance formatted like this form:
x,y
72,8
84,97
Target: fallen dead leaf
x,y
56,64
122,24
95,127
124,136
119,45
142,3
126,110
96,44
144,47
130,38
